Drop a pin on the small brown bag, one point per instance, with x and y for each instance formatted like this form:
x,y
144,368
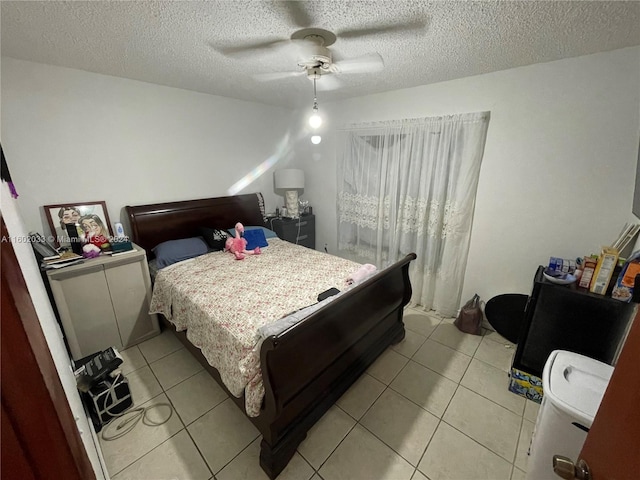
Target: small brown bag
x,y
469,320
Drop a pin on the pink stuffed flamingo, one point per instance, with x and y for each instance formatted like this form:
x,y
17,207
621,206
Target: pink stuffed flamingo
x,y
238,245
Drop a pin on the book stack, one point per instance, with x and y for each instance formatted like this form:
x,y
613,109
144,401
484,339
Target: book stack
x,y
48,255
121,245
63,260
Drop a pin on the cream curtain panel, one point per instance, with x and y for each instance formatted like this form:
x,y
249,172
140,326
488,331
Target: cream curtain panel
x,y
409,186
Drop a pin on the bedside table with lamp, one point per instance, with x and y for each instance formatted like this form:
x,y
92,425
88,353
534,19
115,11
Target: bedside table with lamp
x,y
301,231
293,227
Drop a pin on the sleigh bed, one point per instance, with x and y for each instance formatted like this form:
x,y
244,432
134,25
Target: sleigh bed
x,y
304,367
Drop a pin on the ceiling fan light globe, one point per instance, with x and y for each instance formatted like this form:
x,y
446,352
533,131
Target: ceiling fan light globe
x,y
315,121
316,139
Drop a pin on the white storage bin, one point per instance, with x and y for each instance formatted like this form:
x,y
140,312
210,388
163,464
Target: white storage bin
x,y
573,387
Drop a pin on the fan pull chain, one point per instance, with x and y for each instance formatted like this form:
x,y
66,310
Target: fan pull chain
x,y
315,96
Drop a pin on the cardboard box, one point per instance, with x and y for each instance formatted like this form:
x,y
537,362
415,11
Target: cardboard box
x,y
526,385
588,270
604,269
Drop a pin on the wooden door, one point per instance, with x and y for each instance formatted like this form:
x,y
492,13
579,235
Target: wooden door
x,y
40,439
612,448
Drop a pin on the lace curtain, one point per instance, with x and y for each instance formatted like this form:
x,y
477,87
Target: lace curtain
x,y
409,186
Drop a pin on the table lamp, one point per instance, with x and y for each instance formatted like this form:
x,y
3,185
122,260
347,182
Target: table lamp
x,y
291,180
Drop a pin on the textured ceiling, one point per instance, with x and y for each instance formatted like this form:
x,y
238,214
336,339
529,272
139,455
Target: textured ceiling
x,y
179,43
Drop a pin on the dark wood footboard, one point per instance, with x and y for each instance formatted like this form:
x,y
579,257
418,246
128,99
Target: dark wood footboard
x,y
309,366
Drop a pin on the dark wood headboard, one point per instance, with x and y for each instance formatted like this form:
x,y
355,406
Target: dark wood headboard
x,y
153,224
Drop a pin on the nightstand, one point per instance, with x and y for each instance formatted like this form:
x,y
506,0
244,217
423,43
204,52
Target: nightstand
x,y
104,302
297,230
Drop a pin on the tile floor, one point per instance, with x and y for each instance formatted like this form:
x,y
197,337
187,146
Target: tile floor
x,y
435,406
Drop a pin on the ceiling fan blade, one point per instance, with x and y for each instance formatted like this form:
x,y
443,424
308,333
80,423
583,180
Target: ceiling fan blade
x,y
372,62
268,77
243,50
297,14
328,82
381,29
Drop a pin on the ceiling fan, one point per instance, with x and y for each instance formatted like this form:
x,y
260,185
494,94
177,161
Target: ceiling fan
x,y
314,58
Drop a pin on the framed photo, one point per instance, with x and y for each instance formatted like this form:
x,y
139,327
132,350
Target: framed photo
x,y
90,218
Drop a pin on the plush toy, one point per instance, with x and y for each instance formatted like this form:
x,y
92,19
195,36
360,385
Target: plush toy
x,y
364,272
99,241
90,251
238,245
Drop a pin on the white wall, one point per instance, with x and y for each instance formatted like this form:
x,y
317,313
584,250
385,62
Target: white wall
x,y
559,166
557,176
75,136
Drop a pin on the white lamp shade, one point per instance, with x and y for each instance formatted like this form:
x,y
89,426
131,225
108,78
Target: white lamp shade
x,y
289,179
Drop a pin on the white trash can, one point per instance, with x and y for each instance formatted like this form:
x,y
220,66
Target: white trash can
x,y
573,386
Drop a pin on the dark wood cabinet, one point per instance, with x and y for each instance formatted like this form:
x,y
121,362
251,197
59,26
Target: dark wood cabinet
x,y
564,317
301,231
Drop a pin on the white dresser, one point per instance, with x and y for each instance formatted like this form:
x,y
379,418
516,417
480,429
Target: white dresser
x,y
104,302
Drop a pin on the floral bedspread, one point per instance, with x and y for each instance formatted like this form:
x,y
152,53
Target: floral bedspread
x,y
222,302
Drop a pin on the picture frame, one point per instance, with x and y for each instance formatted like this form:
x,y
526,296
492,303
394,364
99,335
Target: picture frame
x,y
95,216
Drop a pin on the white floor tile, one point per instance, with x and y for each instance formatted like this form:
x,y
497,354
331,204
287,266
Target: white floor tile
x,y
418,476
361,396
518,474
221,434
160,346
246,466
401,424
451,455
531,410
361,456
420,322
449,335
175,458
443,360
195,396
496,337
325,436
143,385
522,452
175,367
387,366
425,387
488,423
132,359
122,452
495,353
382,435
448,319
410,344
492,383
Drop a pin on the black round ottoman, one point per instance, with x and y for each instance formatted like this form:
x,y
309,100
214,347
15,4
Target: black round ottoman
x,y
505,313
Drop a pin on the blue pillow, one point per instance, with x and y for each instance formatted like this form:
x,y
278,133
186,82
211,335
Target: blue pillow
x,y
267,233
255,238
173,251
